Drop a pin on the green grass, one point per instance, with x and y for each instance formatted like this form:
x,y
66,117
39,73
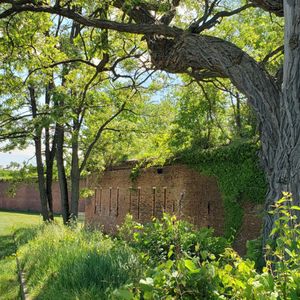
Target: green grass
x,y
9,222
73,263
61,262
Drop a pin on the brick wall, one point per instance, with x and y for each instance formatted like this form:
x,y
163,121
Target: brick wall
x,y
27,198
173,189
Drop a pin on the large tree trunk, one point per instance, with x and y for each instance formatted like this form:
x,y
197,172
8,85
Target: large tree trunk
x,y
286,174
207,56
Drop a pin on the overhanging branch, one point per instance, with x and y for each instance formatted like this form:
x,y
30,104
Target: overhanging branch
x,y
91,22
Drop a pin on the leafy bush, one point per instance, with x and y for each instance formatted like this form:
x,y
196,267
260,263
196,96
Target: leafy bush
x,y
228,276
254,253
170,238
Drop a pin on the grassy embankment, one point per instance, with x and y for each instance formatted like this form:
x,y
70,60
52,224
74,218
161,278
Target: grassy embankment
x,y
9,223
61,262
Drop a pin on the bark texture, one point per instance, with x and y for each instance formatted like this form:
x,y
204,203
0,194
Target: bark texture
x,y
75,172
62,178
286,174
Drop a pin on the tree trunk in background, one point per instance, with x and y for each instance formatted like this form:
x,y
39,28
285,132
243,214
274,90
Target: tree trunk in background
x,y
38,155
49,155
62,178
75,172
286,173
238,120
49,172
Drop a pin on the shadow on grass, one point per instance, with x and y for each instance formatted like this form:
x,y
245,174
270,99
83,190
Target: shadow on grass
x,y
24,235
7,246
9,285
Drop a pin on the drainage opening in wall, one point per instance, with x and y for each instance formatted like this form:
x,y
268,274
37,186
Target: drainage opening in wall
x,y
159,170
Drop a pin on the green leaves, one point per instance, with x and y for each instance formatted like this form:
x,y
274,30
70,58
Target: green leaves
x,y
190,265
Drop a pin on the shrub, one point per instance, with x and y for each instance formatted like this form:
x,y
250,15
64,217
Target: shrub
x,y
228,276
168,238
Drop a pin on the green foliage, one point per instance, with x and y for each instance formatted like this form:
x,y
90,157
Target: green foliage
x,y
86,193
254,253
229,276
283,250
239,177
169,238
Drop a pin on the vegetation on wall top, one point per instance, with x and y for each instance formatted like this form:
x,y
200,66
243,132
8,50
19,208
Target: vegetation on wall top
x,y
240,178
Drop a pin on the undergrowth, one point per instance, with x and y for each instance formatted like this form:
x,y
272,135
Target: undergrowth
x,y
165,259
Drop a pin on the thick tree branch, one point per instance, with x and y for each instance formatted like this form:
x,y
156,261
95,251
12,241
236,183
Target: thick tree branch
x,y
273,6
91,22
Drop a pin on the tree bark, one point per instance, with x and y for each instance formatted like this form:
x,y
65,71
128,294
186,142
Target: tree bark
x,y
49,155
75,171
286,174
62,178
197,55
38,154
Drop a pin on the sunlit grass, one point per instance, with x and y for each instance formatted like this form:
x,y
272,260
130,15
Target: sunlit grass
x,y
61,262
13,220
9,222
72,263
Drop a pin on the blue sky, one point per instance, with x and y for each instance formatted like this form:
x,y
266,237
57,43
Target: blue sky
x,y
18,156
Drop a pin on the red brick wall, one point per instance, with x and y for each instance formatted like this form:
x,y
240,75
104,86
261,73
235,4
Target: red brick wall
x,y
27,198
251,226
177,190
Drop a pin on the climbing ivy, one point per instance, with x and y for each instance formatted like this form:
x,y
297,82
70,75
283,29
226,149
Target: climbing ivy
x,y
239,177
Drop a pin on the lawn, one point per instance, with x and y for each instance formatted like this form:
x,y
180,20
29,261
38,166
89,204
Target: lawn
x,y
9,222
13,220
